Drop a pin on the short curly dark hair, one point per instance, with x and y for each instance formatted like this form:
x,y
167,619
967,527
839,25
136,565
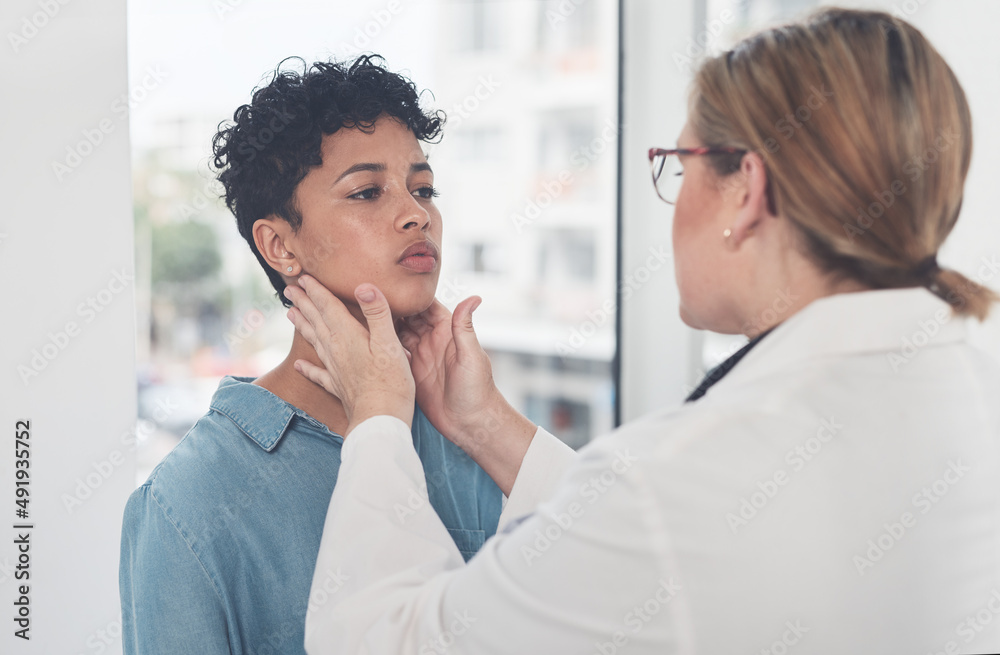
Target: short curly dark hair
x,y
273,142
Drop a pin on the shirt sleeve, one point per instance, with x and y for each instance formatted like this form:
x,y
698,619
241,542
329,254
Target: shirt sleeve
x,y
169,604
545,462
567,579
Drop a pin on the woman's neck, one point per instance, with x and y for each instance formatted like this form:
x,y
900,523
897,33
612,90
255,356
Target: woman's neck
x,y
296,389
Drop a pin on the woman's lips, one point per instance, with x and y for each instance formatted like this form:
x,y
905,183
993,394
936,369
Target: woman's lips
x,y
419,263
421,257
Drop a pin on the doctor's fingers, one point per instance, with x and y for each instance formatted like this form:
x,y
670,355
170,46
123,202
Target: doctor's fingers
x,y
318,375
323,311
377,313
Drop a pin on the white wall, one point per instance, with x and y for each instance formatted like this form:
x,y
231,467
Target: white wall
x,y
658,352
66,241
661,357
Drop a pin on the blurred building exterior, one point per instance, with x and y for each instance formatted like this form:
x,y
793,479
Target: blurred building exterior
x,y
527,170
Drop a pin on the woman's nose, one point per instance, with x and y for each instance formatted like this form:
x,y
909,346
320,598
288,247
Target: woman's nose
x,y
412,215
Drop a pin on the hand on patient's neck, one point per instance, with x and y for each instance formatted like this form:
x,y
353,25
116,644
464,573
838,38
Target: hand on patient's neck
x,y
294,388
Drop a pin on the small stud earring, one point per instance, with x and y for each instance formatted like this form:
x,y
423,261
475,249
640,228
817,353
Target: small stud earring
x,y
289,269
728,233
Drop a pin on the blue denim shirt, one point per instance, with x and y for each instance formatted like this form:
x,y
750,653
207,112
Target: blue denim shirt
x,y
220,544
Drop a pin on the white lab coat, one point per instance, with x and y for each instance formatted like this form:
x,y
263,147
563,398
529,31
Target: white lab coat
x,y
837,492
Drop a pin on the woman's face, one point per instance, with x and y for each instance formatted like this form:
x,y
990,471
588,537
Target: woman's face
x,y
699,222
368,215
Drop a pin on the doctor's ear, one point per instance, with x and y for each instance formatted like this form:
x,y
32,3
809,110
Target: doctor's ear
x,y
748,191
272,235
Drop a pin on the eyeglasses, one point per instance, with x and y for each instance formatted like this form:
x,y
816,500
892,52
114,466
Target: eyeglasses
x,y
668,172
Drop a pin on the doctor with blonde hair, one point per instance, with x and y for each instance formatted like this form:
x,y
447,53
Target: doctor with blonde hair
x,y
830,488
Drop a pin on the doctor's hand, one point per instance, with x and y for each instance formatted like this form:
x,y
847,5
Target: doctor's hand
x,y
366,368
455,390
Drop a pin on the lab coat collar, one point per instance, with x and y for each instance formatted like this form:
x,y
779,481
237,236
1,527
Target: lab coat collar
x,y
897,322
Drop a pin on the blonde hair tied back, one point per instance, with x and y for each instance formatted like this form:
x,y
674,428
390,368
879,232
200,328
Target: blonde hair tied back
x,y
866,135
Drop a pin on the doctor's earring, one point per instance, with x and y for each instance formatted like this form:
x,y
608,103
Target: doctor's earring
x,y
289,269
728,232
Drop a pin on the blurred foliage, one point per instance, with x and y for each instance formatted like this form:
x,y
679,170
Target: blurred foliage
x,y
184,253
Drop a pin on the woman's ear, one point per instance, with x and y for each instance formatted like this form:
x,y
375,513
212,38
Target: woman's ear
x,y
273,237
750,195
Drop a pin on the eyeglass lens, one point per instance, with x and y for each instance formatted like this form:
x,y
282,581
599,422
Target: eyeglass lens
x,y
668,173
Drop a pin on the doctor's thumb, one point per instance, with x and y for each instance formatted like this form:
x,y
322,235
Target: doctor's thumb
x,y
461,326
375,307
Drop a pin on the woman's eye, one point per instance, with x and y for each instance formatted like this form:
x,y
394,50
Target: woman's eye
x,y
367,194
427,192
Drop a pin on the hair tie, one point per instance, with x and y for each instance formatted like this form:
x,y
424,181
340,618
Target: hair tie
x,y
926,268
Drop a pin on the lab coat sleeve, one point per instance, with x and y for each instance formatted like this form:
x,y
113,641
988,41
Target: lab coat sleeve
x,y
564,580
544,464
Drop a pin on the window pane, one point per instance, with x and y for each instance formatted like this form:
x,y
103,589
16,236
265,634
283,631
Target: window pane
x,y
527,169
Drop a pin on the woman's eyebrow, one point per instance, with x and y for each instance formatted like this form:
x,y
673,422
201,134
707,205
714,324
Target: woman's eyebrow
x,y
357,168
420,166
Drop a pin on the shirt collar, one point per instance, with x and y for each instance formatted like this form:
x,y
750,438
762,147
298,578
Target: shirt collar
x,y
257,412
897,322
